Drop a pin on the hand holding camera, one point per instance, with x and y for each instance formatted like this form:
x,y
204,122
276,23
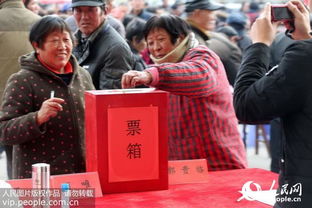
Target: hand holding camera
x,y
294,15
263,30
301,23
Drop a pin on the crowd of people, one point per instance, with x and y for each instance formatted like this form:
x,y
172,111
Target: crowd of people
x,y
214,62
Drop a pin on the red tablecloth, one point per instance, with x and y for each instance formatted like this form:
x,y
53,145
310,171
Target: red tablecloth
x,y
220,192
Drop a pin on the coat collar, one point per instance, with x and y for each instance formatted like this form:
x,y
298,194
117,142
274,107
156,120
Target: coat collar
x,y
92,37
82,49
30,62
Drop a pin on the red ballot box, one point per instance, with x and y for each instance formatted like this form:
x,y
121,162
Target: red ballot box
x,y
126,139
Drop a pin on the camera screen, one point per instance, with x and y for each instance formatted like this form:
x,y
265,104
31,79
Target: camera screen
x,y
281,13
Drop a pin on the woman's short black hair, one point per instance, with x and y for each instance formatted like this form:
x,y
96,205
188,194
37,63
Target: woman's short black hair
x,y
174,25
135,30
45,26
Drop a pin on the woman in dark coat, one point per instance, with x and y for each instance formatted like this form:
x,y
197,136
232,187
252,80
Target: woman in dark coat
x,y
42,112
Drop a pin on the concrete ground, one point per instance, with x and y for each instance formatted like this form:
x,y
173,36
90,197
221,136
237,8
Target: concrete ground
x,y
262,160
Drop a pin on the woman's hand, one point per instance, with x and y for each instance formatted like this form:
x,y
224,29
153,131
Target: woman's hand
x,y
49,109
301,20
263,30
132,78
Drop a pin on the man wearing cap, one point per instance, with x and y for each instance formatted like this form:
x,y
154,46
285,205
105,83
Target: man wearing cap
x,y
240,22
112,21
201,17
15,22
100,49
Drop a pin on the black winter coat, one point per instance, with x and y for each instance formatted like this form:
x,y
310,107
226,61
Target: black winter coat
x,y
286,92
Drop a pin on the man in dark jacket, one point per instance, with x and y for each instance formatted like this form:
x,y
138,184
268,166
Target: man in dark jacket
x,y
15,22
201,17
100,49
284,91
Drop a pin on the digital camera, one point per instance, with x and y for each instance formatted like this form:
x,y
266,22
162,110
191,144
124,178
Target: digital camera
x,y
280,12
